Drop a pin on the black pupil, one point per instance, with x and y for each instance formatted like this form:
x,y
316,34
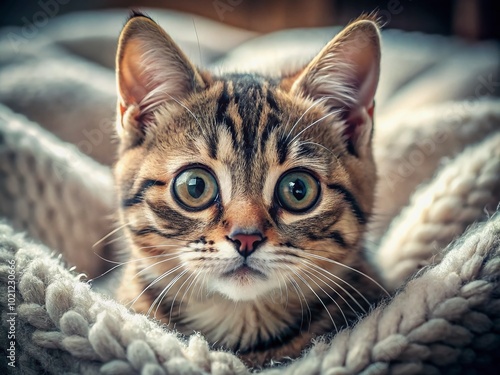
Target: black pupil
x,y
298,189
196,187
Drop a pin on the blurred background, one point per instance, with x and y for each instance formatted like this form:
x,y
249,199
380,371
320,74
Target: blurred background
x,y
470,19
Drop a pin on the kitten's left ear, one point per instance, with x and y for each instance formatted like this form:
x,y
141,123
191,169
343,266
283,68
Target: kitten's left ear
x,y
150,70
345,75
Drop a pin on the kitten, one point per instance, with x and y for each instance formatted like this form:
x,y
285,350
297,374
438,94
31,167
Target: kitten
x,y
245,197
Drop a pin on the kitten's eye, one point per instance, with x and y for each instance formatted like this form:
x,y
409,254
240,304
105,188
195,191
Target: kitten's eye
x,y
297,191
195,188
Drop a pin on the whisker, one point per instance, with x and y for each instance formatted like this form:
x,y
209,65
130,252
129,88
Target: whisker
x,y
175,297
159,278
114,240
280,277
205,275
160,246
314,104
334,290
340,286
158,300
193,285
299,293
155,264
312,290
317,144
110,234
349,268
328,295
119,264
198,40
192,114
151,107
143,258
173,238
314,123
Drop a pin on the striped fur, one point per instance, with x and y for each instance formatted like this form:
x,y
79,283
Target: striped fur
x,y
310,275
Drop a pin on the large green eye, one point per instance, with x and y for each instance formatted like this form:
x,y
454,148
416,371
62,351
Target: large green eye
x,y
297,191
195,188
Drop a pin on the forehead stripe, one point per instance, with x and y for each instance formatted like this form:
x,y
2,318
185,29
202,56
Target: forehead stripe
x,y
271,101
349,198
148,230
139,195
252,97
272,123
273,120
282,146
212,141
222,117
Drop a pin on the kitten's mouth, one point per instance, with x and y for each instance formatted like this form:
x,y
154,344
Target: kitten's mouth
x,y
243,282
244,272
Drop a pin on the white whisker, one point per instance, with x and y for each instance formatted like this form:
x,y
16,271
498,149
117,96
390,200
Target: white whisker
x,y
155,264
158,300
191,285
314,123
119,264
205,274
309,274
159,278
110,234
280,277
299,291
314,104
175,297
313,291
317,276
323,271
349,268
317,144
113,240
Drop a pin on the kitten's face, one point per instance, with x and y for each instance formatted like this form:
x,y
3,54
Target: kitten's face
x,y
242,183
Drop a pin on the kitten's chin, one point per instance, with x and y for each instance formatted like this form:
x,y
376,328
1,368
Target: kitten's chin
x,y
242,286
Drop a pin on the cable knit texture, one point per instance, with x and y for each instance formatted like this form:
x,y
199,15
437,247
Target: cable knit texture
x,y
37,167
446,320
442,210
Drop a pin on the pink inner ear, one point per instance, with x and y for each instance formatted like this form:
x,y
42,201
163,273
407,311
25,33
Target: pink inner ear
x,y
371,110
122,110
132,77
356,121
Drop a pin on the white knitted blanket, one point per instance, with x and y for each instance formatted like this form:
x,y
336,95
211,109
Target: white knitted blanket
x,y
435,224
444,321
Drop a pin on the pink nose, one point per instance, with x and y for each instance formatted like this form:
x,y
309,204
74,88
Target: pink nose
x,y
246,243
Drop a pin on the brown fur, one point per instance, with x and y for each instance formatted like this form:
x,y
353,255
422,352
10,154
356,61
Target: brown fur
x,y
248,130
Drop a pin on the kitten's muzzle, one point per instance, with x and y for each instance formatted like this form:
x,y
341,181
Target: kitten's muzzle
x,y
246,243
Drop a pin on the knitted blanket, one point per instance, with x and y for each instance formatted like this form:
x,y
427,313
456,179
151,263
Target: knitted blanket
x,y
446,320
435,238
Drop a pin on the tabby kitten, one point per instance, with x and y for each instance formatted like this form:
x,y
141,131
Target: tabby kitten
x,y
245,197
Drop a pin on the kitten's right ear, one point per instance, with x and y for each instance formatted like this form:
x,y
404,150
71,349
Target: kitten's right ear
x,y
344,76
151,70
